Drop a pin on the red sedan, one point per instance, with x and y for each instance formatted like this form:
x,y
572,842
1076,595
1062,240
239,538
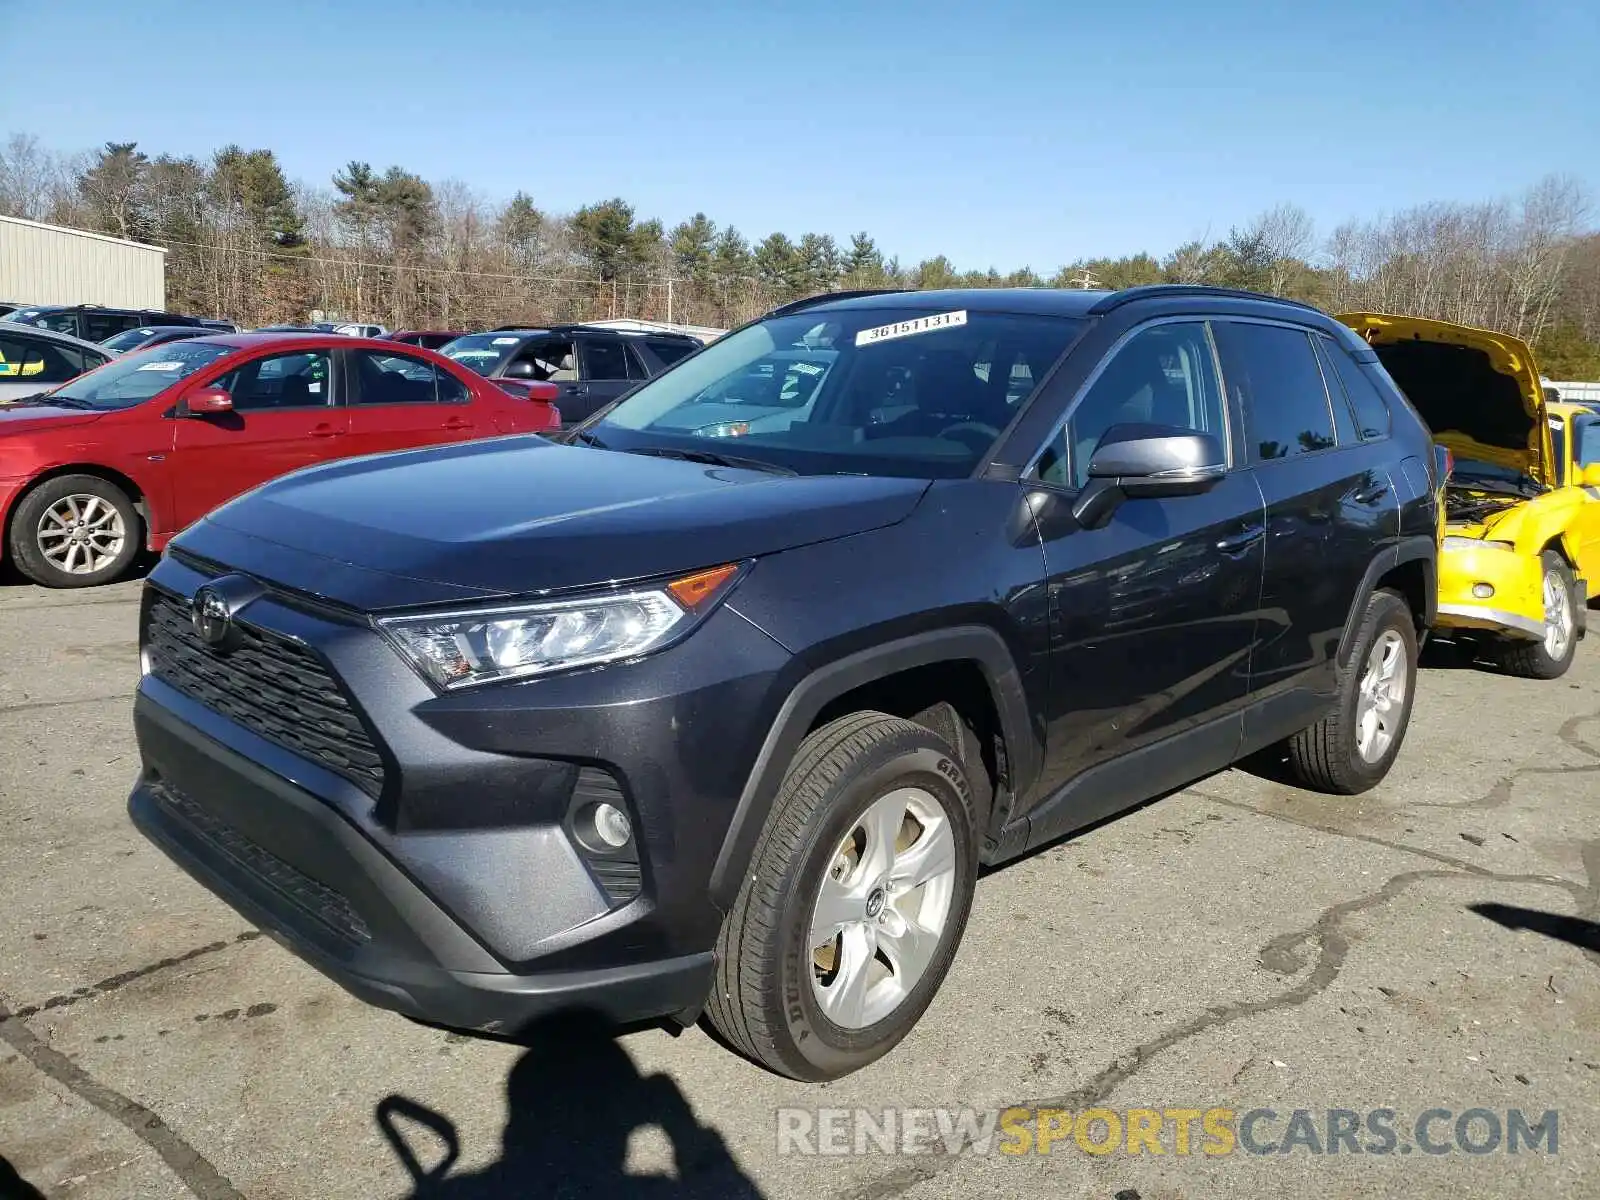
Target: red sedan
x,y
129,454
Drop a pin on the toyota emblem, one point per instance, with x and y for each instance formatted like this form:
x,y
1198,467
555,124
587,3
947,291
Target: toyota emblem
x,y
212,620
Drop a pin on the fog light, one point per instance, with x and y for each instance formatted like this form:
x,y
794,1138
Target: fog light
x,y
611,826
1481,590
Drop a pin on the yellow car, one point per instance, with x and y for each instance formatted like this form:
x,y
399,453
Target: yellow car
x,y
1522,535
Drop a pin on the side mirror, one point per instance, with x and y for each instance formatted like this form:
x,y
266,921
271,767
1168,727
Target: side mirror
x,y
1591,476
547,392
208,401
1145,462
521,369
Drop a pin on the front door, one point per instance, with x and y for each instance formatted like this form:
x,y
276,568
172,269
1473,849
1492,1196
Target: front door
x,y
1584,438
285,416
397,401
1152,616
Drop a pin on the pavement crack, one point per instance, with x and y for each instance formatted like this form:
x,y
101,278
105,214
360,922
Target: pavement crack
x,y
122,979
202,1179
35,705
1499,795
1326,932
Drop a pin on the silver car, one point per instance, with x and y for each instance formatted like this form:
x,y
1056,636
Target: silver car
x,y
35,360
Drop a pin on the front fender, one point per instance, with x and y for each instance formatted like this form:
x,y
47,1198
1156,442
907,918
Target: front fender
x,y
808,697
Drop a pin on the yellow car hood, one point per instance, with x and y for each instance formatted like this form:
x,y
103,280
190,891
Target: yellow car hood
x,y
1478,390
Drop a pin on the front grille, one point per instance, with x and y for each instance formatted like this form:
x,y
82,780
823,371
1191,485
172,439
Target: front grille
x,y
274,687
319,903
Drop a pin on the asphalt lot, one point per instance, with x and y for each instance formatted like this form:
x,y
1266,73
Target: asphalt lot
x,y
1240,944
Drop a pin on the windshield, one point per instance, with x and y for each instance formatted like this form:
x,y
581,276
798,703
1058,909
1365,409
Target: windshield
x,y
136,377
482,352
128,339
922,393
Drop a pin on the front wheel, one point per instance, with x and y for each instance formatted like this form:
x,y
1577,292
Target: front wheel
x,y
1352,748
850,914
75,531
1552,654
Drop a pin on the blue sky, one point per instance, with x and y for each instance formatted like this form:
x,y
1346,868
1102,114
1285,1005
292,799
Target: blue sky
x,y
1001,132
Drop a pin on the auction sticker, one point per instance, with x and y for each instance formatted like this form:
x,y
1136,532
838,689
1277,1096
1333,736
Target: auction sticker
x,y
900,329
159,366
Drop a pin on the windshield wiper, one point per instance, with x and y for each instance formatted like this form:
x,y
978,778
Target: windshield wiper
x,y
714,459
45,400
587,438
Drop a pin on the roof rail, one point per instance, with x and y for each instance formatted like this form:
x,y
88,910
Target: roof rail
x,y
577,326
1156,291
795,306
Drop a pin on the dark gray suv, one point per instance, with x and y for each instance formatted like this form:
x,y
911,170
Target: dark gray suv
x,y
719,708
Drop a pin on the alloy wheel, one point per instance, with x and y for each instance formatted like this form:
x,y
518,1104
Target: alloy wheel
x,y
1382,696
1557,616
881,910
81,534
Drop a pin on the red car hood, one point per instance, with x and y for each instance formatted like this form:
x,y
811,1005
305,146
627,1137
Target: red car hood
x,y
33,418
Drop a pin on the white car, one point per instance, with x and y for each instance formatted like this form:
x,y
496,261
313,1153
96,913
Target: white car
x,y
35,360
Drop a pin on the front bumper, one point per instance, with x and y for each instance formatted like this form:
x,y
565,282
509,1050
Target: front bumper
x,y
1516,606
454,893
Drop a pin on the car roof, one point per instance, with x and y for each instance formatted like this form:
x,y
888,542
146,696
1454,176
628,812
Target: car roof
x,y
308,339
1571,408
50,335
195,329
1044,302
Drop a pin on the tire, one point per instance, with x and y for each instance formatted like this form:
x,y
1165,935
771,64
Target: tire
x,y
1534,659
773,999
1334,755
103,507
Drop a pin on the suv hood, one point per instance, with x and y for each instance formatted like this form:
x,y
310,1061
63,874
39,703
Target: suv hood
x,y
521,515
1478,390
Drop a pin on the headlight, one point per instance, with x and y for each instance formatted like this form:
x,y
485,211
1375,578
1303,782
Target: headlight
x,y
1466,543
467,647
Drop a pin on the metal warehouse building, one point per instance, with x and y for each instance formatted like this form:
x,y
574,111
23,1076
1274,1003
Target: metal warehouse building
x,y
47,264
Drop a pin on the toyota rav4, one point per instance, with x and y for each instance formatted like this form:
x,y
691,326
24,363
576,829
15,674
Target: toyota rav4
x,y
718,708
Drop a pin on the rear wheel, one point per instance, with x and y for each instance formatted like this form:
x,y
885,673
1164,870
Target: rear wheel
x,y
851,911
1552,654
1352,748
75,531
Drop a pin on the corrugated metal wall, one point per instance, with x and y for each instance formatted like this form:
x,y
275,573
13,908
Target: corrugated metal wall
x,y
46,264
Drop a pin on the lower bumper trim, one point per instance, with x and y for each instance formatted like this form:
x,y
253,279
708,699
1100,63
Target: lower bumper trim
x,y
1474,617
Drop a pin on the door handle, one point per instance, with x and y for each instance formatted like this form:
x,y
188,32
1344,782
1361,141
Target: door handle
x,y
575,389
1376,492
325,431
1237,543
457,423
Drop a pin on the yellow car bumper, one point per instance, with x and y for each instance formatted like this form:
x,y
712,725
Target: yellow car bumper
x,y
1499,591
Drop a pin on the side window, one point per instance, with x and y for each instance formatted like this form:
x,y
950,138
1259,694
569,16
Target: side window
x,y
670,352
1344,423
638,367
1587,441
61,322
98,326
1372,413
34,360
1273,373
297,380
552,361
1163,375
398,379
603,358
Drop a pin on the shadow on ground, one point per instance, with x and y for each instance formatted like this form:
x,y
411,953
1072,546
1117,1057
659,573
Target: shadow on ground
x,y
14,1186
573,1099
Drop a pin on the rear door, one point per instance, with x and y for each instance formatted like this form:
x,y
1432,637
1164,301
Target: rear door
x,y
1330,504
604,373
285,416
397,401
